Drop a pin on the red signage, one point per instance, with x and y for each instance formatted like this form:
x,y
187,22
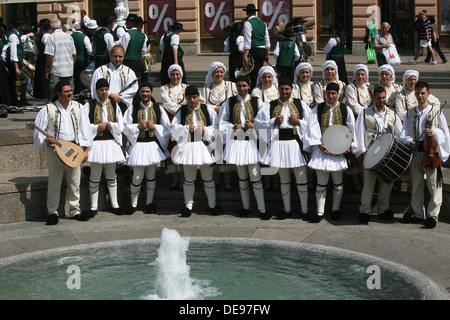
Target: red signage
x,y
161,15
274,11
217,15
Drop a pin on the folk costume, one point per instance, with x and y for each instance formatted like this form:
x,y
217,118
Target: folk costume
x,y
260,91
359,96
303,91
320,87
391,90
323,116
195,150
169,43
106,150
234,44
148,147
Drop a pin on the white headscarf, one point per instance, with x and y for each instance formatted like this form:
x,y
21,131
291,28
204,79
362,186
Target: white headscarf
x,y
174,67
267,69
409,73
330,63
361,67
388,68
212,67
301,66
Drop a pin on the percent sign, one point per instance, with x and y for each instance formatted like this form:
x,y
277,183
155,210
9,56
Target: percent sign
x,y
267,10
153,13
210,11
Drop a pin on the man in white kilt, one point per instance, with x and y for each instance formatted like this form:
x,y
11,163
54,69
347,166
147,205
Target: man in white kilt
x,y
421,124
106,123
194,128
286,119
372,122
147,130
326,114
236,123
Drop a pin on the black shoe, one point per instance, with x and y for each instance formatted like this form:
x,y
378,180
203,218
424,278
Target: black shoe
x,y
217,210
243,213
305,216
282,215
117,211
85,215
430,223
364,218
410,218
336,215
150,208
93,213
265,216
186,212
387,215
445,61
316,218
52,219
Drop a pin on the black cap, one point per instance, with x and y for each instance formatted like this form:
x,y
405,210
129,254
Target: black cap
x,y
107,20
147,85
243,78
101,83
250,8
191,91
132,17
332,86
177,26
285,82
299,20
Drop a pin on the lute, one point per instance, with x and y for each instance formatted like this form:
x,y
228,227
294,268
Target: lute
x,y
70,153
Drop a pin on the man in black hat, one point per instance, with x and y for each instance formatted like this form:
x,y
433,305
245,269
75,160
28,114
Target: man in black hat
x,y
147,130
172,53
324,115
256,42
194,128
103,41
135,44
106,123
16,56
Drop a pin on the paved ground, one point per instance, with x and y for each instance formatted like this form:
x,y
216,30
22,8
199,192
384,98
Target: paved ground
x,y
426,251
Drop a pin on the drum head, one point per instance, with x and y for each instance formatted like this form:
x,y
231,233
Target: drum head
x,y
337,139
378,150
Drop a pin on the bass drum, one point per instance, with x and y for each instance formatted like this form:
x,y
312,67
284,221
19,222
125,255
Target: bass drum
x,y
86,75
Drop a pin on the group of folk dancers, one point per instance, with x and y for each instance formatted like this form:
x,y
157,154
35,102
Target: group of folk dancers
x,y
223,125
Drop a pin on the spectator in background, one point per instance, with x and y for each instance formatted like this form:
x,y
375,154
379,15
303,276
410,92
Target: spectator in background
x,y
425,36
383,40
435,42
335,50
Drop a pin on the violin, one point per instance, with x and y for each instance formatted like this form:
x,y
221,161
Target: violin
x,y
431,159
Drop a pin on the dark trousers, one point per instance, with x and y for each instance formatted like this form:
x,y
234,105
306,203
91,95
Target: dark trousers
x,y
17,92
285,72
77,68
437,48
381,59
136,66
259,56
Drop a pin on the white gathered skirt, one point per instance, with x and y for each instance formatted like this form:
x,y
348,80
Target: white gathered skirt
x,y
145,154
105,151
241,152
192,153
284,154
324,162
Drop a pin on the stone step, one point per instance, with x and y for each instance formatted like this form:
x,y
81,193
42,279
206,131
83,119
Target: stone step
x,y
23,196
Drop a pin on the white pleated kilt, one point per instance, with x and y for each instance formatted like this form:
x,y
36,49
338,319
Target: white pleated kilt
x,y
192,153
105,151
145,154
241,152
324,162
284,154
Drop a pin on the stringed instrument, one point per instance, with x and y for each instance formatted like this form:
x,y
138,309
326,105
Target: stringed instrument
x,y
431,160
70,153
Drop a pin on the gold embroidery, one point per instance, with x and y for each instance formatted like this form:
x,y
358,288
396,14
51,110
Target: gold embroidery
x,y
199,115
150,115
98,114
248,111
292,109
337,116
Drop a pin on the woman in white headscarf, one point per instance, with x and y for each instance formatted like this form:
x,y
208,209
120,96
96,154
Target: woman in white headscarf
x,y
406,98
386,76
266,85
329,74
214,93
267,90
172,97
358,95
303,87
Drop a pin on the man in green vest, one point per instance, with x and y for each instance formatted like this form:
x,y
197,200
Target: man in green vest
x,y
135,44
15,60
100,44
286,52
84,50
172,53
256,43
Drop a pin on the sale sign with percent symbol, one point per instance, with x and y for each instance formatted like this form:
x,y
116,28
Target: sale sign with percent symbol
x,y
274,12
217,15
161,15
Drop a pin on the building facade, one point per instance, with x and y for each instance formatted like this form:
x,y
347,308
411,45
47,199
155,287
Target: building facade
x,y
204,20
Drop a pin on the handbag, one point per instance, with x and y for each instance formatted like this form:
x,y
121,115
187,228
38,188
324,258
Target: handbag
x,y
392,56
370,53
